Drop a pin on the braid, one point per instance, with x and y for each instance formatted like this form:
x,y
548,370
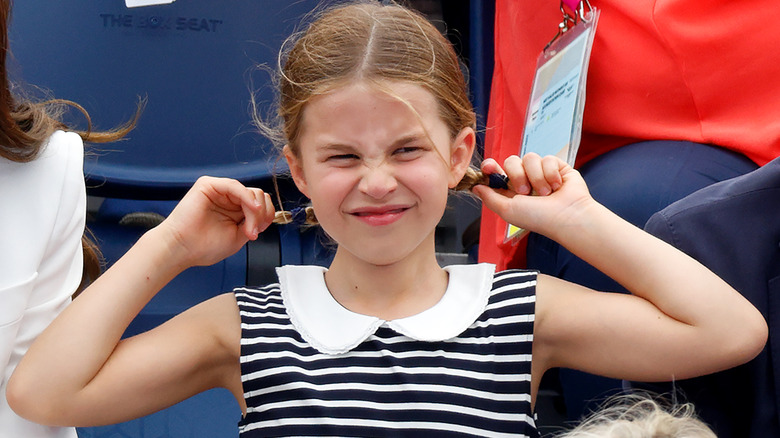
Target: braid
x,y
475,177
470,179
297,216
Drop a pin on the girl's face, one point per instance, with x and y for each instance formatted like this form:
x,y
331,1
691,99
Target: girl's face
x,y
377,173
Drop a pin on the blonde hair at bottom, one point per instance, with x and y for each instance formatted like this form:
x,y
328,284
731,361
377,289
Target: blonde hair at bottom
x,y
641,416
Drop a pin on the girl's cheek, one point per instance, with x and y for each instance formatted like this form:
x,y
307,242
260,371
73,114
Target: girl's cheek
x,y
426,173
334,180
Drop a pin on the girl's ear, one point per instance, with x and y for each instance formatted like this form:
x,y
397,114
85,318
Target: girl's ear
x,y
460,157
296,169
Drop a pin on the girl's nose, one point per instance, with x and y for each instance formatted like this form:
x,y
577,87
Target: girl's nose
x,y
377,182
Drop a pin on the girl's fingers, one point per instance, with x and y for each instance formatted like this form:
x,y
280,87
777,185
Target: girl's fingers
x,y
551,167
531,173
513,169
270,212
250,207
493,200
490,166
518,173
543,174
258,212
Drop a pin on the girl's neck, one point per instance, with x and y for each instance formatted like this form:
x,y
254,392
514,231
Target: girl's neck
x,y
389,292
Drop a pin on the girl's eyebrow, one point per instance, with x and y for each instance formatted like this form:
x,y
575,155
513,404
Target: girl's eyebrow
x,y
342,147
411,138
335,147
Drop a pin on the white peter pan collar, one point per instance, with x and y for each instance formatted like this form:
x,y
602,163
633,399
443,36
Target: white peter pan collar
x,y
332,329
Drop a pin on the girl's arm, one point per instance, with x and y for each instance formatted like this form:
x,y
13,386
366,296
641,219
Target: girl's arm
x,y
681,321
78,372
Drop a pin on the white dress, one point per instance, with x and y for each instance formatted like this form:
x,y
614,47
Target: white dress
x,y
42,215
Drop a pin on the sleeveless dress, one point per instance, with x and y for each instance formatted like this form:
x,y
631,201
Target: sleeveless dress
x,y
311,367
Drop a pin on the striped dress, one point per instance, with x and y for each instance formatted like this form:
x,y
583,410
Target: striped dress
x,y
462,368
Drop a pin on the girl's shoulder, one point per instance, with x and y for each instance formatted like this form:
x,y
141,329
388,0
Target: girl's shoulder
x,y
514,282
513,295
515,276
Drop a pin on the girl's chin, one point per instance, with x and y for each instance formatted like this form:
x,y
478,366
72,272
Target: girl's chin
x,y
385,254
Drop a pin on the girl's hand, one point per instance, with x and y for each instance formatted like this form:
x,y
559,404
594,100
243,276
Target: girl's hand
x,y
215,219
559,192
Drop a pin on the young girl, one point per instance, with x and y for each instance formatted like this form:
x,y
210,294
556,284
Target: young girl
x,y
377,129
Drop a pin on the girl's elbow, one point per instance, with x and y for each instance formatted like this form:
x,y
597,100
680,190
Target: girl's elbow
x,y
749,338
21,400
758,334
29,403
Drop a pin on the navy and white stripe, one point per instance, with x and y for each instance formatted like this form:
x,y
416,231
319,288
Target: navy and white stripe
x,y
477,384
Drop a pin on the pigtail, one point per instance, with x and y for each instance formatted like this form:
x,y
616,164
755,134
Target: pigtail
x,y
475,177
297,216
472,178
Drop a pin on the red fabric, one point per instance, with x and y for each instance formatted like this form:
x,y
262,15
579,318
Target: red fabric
x,y
696,70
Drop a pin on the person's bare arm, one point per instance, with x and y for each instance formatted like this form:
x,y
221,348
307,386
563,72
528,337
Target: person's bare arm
x,y
681,321
79,373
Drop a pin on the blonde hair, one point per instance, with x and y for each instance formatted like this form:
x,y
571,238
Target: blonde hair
x,y
641,416
375,43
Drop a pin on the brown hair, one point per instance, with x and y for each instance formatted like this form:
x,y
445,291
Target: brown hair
x,y
372,42
25,126
369,41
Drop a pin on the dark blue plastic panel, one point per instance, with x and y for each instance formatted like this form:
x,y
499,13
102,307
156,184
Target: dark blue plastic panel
x,y
195,61
211,414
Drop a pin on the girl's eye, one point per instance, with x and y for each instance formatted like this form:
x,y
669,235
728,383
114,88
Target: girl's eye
x,y
343,157
408,152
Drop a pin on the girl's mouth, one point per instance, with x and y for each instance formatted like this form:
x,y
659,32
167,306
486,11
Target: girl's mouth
x,y
380,216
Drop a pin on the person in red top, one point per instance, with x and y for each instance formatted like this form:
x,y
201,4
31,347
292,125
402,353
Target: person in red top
x,y
680,94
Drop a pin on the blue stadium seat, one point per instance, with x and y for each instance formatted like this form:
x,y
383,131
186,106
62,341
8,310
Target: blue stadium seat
x,y
195,62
